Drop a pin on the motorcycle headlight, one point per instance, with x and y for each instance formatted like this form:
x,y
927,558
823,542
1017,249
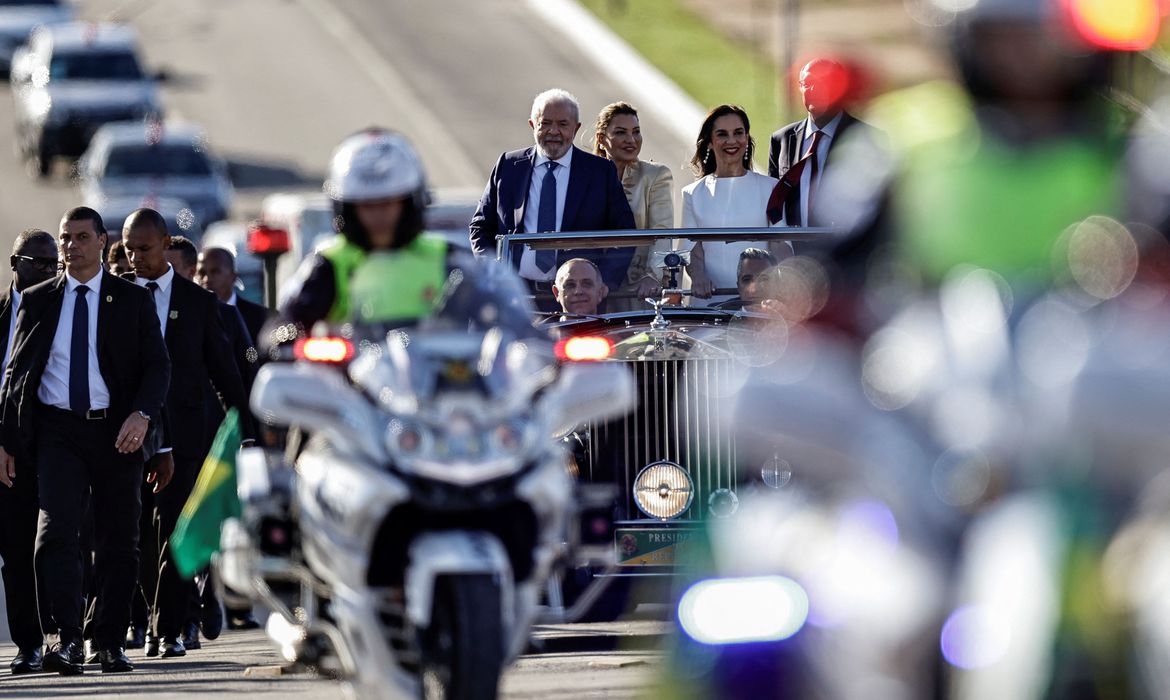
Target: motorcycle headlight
x,y
407,439
663,490
510,438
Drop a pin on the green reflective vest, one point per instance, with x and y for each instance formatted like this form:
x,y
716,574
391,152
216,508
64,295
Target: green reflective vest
x,y
386,285
966,197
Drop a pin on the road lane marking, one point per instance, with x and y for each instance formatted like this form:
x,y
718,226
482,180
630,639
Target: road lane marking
x,y
649,88
421,123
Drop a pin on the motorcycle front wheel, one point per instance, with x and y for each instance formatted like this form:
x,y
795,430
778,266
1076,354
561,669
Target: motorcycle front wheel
x,y
463,648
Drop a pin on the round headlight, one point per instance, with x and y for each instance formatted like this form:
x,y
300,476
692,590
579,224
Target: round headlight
x,y
723,503
509,438
663,490
406,439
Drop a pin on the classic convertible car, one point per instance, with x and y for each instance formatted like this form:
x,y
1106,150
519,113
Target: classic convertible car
x,y
676,460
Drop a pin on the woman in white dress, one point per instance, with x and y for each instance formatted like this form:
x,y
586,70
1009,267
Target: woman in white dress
x,y
728,194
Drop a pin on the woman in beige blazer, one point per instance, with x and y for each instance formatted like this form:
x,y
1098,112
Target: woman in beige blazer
x,y
650,190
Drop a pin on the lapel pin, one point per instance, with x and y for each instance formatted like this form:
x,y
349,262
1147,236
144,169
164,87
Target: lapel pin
x,y
109,298
174,314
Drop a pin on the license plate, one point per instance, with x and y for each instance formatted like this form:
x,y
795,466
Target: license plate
x,y
651,547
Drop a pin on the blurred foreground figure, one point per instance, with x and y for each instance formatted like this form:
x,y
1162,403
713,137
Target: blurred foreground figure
x,y
987,519
995,173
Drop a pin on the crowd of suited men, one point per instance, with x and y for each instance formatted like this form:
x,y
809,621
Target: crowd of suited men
x,y
120,358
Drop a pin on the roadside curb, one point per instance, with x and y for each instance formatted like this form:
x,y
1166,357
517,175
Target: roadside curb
x,y
650,89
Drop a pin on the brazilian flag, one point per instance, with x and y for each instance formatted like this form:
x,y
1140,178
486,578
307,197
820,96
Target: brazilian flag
x,y
214,499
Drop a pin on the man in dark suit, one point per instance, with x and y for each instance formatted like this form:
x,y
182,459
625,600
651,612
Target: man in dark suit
x,y
205,613
809,144
88,375
553,186
34,260
200,356
217,272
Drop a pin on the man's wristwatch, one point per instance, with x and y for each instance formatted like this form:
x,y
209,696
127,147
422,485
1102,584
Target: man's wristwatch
x,y
144,416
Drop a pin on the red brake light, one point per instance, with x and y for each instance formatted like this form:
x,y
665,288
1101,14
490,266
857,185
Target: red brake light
x,y
263,240
584,348
333,350
1119,25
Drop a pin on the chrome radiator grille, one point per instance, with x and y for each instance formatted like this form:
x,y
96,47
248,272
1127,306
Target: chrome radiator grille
x,y
681,417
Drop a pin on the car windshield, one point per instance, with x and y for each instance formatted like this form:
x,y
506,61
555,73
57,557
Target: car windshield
x,y
95,65
174,160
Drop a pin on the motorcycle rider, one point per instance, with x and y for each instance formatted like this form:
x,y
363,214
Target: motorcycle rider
x,y
382,266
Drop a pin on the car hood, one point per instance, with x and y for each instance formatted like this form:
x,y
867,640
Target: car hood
x,y
102,93
17,22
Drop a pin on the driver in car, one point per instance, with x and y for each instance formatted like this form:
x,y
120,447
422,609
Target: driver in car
x,y
578,288
755,278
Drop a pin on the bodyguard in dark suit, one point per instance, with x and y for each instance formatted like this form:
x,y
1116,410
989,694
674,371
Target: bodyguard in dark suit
x,y
553,186
88,375
200,354
809,144
217,272
34,260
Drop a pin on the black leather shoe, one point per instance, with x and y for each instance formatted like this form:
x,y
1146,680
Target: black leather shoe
x,y
90,652
172,648
152,643
211,621
114,661
243,622
64,658
191,637
27,662
135,637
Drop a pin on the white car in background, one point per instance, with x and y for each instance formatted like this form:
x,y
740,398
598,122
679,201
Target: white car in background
x,y
19,17
140,159
70,79
176,212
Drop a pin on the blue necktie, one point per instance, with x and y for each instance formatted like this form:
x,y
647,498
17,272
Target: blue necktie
x,y
546,216
79,355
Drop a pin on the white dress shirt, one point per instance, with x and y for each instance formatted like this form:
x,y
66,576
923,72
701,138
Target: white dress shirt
x,y
822,154
727,202
54,389
232,301
528,268
11,330
162,296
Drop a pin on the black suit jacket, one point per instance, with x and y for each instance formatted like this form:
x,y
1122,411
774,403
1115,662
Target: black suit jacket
x,y
201,355
595,201
785,151
5,319
255,316
131,355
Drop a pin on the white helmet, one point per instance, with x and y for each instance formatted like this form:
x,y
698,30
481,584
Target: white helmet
x,y
375,164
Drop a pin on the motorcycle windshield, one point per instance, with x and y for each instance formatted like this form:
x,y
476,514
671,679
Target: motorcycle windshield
x,y
477,347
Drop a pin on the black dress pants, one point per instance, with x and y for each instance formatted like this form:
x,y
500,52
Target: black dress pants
x,y
18,536
76,457
173,599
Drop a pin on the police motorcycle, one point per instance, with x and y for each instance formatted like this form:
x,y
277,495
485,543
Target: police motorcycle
x,y
407,543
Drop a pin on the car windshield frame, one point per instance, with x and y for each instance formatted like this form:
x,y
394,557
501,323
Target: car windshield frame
x,y
593,240
30,3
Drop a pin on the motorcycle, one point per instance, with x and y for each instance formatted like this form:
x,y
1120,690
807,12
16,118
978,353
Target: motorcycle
x,y
407,547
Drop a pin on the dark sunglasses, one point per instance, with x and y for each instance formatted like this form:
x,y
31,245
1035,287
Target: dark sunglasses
x,y
41,263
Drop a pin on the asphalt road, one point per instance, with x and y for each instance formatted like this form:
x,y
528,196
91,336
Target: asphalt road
x,y
242,664
277,83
